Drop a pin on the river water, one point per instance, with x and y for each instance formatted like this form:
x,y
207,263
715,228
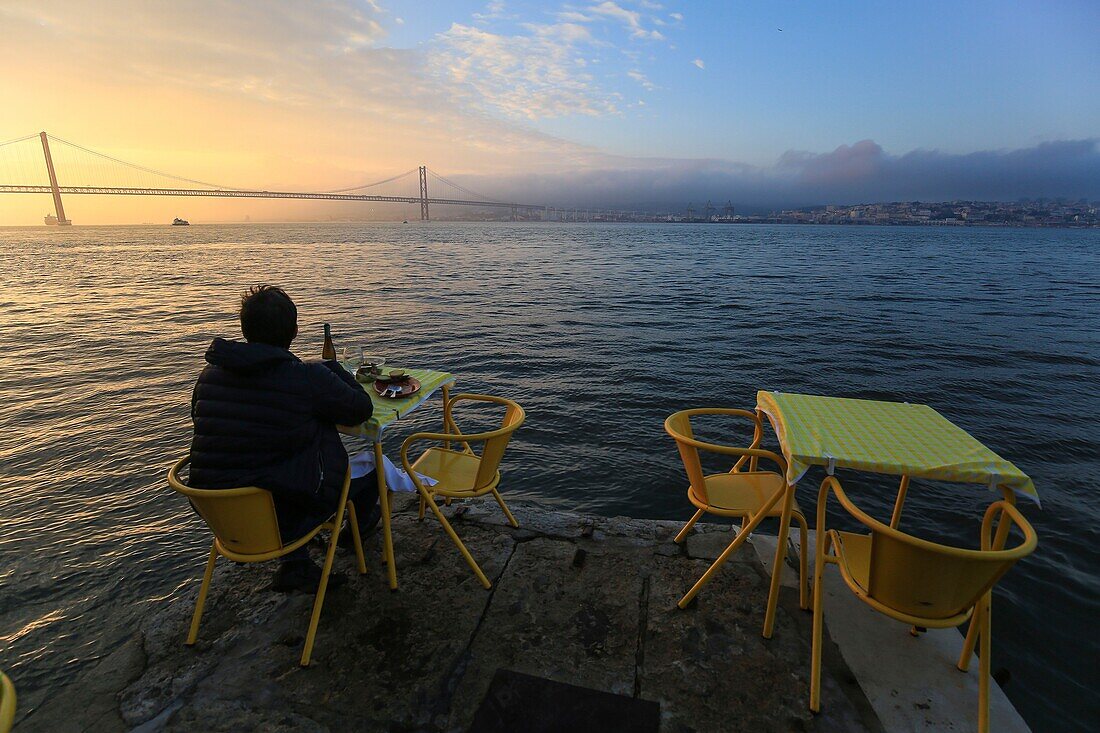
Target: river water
x,y
600,331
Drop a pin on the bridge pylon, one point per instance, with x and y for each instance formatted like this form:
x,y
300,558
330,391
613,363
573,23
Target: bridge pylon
x,y
59,208
424,193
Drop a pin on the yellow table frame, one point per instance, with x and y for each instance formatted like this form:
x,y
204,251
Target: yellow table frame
x,y
364,430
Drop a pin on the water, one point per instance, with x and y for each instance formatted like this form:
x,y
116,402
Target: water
x,y
600,331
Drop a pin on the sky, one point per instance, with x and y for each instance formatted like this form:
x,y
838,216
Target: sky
x,y
628,103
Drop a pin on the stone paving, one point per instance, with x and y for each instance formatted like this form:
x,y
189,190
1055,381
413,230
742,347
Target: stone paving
x,y
589,601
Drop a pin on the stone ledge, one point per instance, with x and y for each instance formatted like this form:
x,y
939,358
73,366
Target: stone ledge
x,y
585,600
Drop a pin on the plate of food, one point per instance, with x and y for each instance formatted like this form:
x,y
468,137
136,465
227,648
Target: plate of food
x,y
396,384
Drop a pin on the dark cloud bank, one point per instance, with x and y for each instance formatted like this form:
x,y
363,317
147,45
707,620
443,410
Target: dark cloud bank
x,y
859,173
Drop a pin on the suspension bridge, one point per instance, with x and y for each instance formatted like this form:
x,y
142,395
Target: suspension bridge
x,y
26,169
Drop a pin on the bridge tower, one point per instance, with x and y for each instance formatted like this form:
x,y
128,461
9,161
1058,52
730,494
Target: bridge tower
x,y
57,205
424,193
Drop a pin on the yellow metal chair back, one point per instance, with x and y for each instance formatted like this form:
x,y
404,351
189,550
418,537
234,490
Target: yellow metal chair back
x,y
678,425
246,529
242,519
751,494
455,467
927,580
7,703
919,582
493,450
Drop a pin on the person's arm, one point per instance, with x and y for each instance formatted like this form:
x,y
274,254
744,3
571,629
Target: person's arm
x,y
337,397
341,372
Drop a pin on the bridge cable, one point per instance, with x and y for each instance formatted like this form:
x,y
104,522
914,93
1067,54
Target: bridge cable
x,y
369,185
465,190
145,169
18,139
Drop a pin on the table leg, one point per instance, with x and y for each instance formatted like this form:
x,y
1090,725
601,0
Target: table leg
x,y
777,568
902,488
384,505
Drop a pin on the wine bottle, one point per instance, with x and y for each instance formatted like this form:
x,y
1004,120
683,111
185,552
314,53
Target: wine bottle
x,y
328,351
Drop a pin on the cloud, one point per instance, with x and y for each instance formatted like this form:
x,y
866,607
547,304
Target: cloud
x,y
493,11
533,71
631,19
533,75
699,63
676,16
865,172
642,79
859,173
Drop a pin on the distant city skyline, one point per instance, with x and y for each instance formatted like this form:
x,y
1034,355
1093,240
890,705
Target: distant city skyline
x,y
599,103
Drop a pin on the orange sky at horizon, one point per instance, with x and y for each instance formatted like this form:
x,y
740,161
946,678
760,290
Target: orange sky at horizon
x,y
242,111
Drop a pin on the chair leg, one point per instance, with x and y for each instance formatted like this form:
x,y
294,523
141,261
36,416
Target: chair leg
x,y
732,548
803,549
780,551
193,634
819,623
357,539
458,543
500,500
972,633
387,530
420,514
984,661
687,527
319,600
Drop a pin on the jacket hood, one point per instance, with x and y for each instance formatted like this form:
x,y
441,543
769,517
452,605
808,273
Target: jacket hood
x,y
245,358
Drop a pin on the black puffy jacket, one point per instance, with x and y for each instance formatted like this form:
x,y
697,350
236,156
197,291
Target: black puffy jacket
x,y
265,418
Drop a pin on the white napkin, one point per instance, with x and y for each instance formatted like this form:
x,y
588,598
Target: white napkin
x,y
396,479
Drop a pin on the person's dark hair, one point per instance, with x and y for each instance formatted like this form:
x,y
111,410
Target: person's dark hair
x,y
268,316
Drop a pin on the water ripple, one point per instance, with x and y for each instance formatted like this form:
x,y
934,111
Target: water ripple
x,y
600,331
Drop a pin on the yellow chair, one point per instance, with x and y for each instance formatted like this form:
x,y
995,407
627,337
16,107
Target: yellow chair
x,y
917,582
246,529
750,495
7,703
462,474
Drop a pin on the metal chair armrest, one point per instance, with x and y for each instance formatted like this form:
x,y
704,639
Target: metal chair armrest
x,y
449,423
751,454
993,534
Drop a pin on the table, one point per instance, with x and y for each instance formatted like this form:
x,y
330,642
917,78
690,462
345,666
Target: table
x,y
894,438
386,412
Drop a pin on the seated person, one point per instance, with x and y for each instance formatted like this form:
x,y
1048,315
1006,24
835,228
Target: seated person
x,y
265,418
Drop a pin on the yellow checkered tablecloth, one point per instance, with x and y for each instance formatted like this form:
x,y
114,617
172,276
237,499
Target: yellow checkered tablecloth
x,y
387,410
882,437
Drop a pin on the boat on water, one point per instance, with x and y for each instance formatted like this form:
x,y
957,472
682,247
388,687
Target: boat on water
x,y
52,221
178,222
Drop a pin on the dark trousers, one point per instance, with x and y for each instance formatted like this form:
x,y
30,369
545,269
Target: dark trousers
x,y
363,492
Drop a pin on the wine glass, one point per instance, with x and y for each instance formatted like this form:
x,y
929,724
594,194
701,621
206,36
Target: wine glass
x,y
353,356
